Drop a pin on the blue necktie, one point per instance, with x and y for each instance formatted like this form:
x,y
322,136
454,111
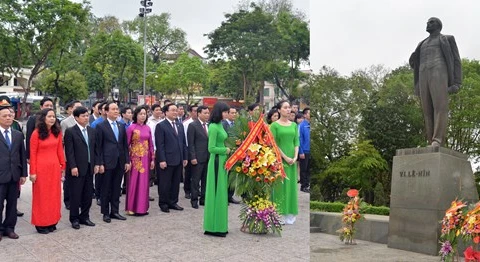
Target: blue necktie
x,y
85,136
115,129
7,139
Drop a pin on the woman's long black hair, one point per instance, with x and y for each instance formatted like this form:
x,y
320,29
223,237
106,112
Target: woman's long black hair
x,y
42,126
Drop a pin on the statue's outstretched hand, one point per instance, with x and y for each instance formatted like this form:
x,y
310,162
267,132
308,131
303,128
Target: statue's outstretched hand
x,y
453,89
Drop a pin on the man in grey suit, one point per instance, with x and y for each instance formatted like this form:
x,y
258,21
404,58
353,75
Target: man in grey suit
x,y
437,72
13,163
197,136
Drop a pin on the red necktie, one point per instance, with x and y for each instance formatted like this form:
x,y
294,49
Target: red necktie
x,y
174,128
205,128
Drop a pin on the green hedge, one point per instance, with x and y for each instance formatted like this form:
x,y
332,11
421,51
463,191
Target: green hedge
x,y
338,207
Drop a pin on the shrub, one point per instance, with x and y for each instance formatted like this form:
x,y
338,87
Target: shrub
x,y
338,207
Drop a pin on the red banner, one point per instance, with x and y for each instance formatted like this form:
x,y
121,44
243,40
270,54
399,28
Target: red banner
x,y
256,132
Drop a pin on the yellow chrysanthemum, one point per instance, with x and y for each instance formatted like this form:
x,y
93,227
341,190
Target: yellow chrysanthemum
x,y
254,147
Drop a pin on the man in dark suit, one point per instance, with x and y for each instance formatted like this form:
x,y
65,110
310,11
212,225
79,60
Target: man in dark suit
x,y
197,136
14,169
31,122
171,156
80,148
227,124
437,72
113,160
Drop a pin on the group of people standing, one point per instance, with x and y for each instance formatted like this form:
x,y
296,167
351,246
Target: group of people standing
x,y
93,153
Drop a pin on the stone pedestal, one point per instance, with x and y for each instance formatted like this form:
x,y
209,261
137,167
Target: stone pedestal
x,y
424,183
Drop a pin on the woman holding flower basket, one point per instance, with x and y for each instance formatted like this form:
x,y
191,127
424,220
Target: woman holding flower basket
x,y
215,220
285,132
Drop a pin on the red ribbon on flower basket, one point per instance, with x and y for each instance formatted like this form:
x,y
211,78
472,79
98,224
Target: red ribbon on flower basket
x,y
256,133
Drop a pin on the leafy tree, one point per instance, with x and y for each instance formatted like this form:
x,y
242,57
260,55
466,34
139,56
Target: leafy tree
x,y
464,123
361,169
246,39
223,75
393,118
293,50
162,38
185,77
113,60
70,86
34,30
265,42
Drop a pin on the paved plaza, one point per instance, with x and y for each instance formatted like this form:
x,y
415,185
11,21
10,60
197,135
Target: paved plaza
x,y
176,236
326,247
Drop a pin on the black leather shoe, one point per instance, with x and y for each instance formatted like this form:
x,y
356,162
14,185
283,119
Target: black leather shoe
x,y
99,203
42,230
202,203
75,225
187,195
165,209
67,206
87,223
194,204
151,199
117,216
107,219
233,201
176,207
52,228
19,214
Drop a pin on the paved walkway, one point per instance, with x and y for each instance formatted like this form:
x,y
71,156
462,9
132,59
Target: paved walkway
x,y
176,236
326,247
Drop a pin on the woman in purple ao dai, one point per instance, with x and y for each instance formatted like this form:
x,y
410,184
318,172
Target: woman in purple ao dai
x,y
142,156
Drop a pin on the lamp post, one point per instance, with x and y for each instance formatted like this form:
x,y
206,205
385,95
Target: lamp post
x,y
144,10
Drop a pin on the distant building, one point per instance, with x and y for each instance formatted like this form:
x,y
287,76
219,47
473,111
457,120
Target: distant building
x,y
11,84
171,58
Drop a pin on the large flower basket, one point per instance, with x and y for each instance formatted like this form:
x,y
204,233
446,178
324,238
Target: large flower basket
x,y
255,168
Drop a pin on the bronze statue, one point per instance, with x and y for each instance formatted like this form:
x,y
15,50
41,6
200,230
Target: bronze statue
x,y
438,72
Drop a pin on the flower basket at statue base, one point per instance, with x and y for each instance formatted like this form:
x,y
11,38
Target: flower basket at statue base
x,y
351,215
259,216
255,168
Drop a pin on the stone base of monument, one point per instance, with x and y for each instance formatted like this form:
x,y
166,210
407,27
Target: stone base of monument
x,y
424,183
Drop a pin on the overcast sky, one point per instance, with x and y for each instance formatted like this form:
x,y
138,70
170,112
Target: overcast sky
x,y
195,17
355,34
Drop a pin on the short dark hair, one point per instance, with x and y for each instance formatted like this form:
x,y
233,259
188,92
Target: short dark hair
x,y
45,99
155,106
124,110
167,101
190,108
70,105
252,106
201,108
102,105
165,108
137,111
79,111
107,105
305,110
298,116
216,115
96,102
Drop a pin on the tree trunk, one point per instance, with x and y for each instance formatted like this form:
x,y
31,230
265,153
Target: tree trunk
x,y
261,89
